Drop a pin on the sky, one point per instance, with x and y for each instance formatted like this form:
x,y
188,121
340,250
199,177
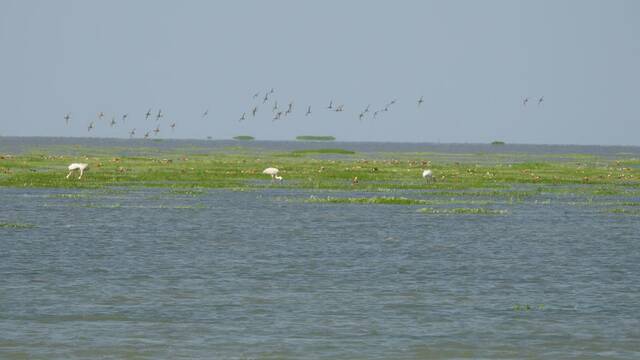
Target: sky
x,y
473,62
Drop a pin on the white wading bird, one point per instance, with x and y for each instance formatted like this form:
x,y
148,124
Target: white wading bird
x,y
428,174
77,166
273,172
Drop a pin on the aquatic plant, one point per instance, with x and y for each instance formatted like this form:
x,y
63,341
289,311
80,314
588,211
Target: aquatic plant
x,y
243,137
463,211
323,151
527,307
315,138
187,192
16,225
623,211
391,201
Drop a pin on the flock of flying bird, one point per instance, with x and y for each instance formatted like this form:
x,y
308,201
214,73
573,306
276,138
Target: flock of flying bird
x,y
113,122
277,113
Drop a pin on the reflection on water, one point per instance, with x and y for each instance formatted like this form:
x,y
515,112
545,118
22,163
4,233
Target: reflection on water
x,y
137,273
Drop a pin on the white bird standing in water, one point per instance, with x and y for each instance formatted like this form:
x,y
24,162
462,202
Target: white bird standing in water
x,y
77,166
427,174
273,172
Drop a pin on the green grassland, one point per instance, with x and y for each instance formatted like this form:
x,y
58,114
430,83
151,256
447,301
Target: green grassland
x,y
491,175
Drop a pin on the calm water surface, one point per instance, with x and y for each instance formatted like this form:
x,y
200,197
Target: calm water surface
x,y
146,273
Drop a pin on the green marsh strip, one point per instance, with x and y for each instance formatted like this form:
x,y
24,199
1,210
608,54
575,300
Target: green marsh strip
x,y
16,226
623,211
384,200
463,211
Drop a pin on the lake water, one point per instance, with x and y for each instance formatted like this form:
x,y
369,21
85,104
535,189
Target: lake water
x,y
137,146
147,273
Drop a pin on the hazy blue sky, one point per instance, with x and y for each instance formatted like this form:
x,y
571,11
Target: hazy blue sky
x,y
473,61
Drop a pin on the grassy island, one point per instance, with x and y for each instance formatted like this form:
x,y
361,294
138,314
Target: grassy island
x,y
315,138
243,137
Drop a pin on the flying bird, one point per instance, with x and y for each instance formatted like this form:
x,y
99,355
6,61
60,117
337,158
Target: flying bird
x,y
91,126
159,115
540,100
525,101
146,135
67,117
124,117
366,110
420,101
275,106
146,116
242,117
173,126
266,98
361,116
254,111
132,132
205,113
308,111
330,105
156,130
100,115
113,121
255,96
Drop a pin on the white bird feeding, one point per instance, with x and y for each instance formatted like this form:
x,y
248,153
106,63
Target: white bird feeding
x,y
427,174
273,172
77,166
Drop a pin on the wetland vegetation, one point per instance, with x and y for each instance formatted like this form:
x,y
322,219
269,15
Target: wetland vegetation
x,y
315,138
490,175
243,138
